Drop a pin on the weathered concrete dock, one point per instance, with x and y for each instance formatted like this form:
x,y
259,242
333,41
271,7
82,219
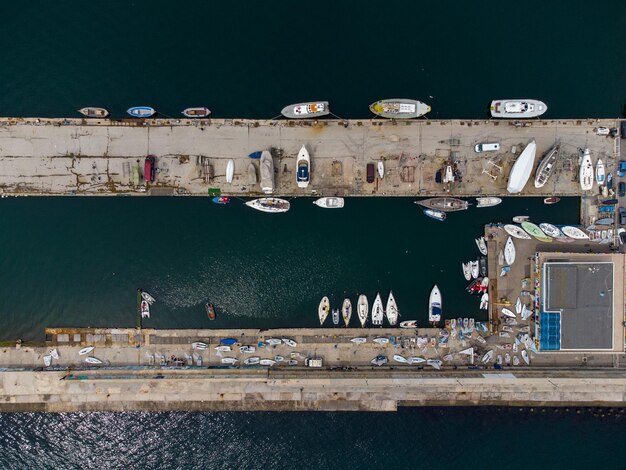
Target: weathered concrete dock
x,y
105,157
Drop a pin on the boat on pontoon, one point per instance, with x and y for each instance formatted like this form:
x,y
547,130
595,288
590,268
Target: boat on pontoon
x,y
509,252
266,165
536,232
329,202
346,311
435,214
362,309
91,112
585,174
311,109
408,324
517,108
323,309
145,309
516,232
445,204
197,112
487,201
546,167
303,168
434,305
269,204
141,111
574,232
522,168
377,311
86,350
399,108
482,246
392,310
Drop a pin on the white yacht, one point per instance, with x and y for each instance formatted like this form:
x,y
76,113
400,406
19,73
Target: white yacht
x,y
392,310
329,202
303,168
363,309
269,204
522,168
434,305
377,311
517,108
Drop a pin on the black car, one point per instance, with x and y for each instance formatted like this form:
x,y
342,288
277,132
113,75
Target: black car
x,y
621,189
622,216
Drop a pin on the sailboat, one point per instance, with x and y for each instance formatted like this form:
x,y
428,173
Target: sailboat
x,y
392,310
600,172
323,309
377,311
346,311
434,305
546,167
585,174
269,204
362,309
522,168
509,251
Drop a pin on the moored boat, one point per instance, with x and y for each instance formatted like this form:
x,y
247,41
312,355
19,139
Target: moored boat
x,y
141,111
377,311
196,112
487,201
362,309
475,269
210,311
335,313
482,246
269,204
518,219
221,200
551,230
445,204
145,309
435,214
585,174
551,200
323,309
517,108
408,324
311,109
467,270
516,232
546,166
509,251
522,168
303,167
93,360
267,172
329,202
392,310
91,112
346,311
147,297
399,108
536,232
434,305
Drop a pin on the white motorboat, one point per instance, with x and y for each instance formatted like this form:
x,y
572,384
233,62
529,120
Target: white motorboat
x,y
415,360
47,360
525,357
230,170
482,246
436,363
147,297
399,108
518,305
434,305
252,361
518,219
487,201
335,314
323,309
552,230
289,342
312,109
92,112
508,313
382,341
346,311
517,108
362,309
247,349
522,168
381,169
487,357
392,310
273,341
223,348
145,309
475,269
303,168
229,360
266,165
509,252
329,202
269,204
377,311
467,270
516,232
267,362
408,324
85,351
574,232
400,359
359,340
93,360
600,172
199,345
585,174
435,214
546,167
484,301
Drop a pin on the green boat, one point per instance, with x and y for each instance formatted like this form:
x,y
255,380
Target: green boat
x,y
536,232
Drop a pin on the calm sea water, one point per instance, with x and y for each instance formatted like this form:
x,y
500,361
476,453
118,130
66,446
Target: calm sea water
x,y
77,262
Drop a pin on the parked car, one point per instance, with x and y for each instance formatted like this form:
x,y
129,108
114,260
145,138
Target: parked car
x,y
621,169
149,169
487,147
621,189
622,216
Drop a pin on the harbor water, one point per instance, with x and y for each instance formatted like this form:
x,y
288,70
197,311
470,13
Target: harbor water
x,y
77,262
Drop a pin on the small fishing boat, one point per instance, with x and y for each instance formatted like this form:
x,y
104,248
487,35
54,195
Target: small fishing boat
x,y
473,286
210,311
223,348
399,108
252,361
546,167
516,232
145,309
141,111
600,172
475,269
346,311
487,357
585,174
484,301
400,359
266,165
610,202
487,201
199,345
434,305
335,316
329,202
415,360
94,112
482,246
392,310
269,204
525,357
382,341
323,309
255,155
408,324
221,200
279,358
93,360
508,313
303,168
147,297
552,231
445,204
435,214
273,341
267,362
379,361
467,270
312,109
536,232
517,108
230,170
605,221
377,311
247,349
197,112
359,340
85,351
551,200
229,360
574,232
522,168
381,169
289,342
435,363
362,309
509,251
228,341
518,219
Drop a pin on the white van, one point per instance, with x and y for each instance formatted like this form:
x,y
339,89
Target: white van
x,y
487,147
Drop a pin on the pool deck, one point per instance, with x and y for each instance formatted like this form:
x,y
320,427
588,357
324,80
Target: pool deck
x,y
105,157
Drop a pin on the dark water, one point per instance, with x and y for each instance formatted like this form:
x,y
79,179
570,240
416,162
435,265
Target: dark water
x,y
76,262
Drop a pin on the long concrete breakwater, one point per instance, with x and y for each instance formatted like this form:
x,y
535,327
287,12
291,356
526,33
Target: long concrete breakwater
x,y
105,157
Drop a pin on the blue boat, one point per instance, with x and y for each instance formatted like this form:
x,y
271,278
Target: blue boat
x,y
608,209
256,155
228,341
221,200
141,111
435,214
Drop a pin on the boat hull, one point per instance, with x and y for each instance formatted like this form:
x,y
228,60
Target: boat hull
x,y
399,108
522,168
269,204
199,112
546,167
517,108
444,204
94,112
309,110
585,174
267,172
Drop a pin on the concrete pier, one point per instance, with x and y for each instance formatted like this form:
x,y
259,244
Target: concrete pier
x,y
105,157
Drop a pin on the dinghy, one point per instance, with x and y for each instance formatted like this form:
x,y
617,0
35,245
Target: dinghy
x,y
408,324
525,357
273,341
508,313
85,351
47,360
551,200
329,202
518,306
482,246
229,360
487,201
435,363
223,348
289,342
392,310
377,311
362,309
247,349
252,361
585,174
381,169
518,219
267,362
147,297
487,357
434,305
415,360
141,111
323,309
574,232
359,340
516,232
536,232
145,309
93,360
335,316
382,341
222,200
199,345
379,361
515,361
230,170
400,359
509,251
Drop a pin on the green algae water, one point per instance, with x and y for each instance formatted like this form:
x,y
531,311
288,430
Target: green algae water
x,y
77,262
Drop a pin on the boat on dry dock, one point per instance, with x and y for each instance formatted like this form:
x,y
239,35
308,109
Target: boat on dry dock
x,y
509,251
312,109
517,108
445,204
585,174
574,232
267,172
197,112
94,112
546,166
536,232
303,168
399,108
269,204
522,168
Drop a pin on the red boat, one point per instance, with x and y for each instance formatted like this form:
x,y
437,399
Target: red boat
x,y
210,311
198,112
551,200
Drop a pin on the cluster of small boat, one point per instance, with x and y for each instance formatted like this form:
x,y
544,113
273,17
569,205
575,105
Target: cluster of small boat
x,y
377,315
229,345
437,207
54,354
144,301
476,272
143,112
